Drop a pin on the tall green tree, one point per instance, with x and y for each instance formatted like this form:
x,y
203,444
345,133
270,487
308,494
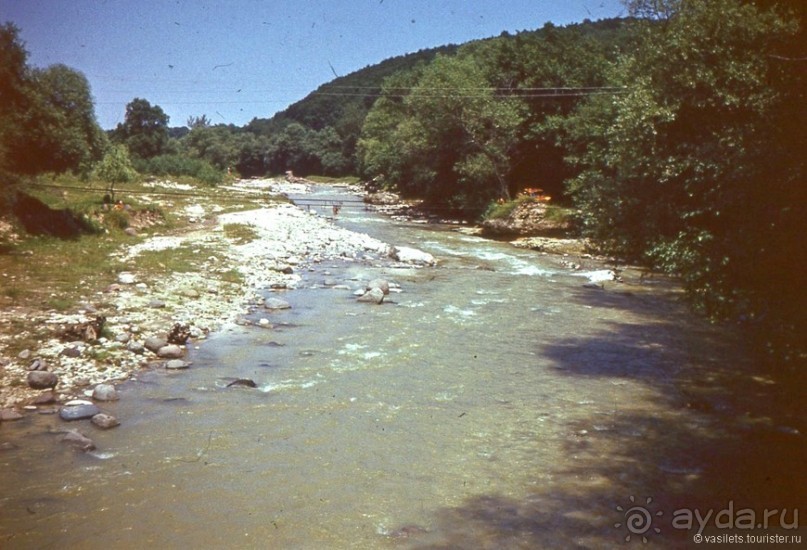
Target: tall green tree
x,y
697,168
61,130
216,144
13,92
392,147
451,136
115,167
47,118
144,129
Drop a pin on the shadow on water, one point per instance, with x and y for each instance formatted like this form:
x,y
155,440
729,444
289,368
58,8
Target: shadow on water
x,y
714,431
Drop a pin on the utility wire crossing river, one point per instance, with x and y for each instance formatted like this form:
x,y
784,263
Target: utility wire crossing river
x,y
492,401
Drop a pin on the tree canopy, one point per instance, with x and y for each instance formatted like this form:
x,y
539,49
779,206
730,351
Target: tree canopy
x,y
699,168
144,129
47,117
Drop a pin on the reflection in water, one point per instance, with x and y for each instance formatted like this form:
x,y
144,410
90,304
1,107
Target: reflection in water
x,y
479,408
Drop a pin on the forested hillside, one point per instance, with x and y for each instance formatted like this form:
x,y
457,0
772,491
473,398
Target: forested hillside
x,y
471,128
318,134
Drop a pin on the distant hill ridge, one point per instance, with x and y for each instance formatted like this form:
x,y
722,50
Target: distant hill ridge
x,y
346,95
343,102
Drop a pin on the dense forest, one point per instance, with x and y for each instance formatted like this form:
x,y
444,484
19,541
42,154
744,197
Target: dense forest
x,y
677,134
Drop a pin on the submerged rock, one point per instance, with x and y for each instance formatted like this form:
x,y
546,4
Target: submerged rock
x,y
276,304
373,296
78,412
105,421
381,284
244,382
409,255
9,414
171,351
78,440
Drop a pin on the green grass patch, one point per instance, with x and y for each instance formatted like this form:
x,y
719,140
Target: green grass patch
x,y
501,210
560,214
232,276
183,259
240,233
12,292
59,303
40,273
52,271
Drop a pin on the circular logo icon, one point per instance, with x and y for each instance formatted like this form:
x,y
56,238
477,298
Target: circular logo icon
x,y
638,520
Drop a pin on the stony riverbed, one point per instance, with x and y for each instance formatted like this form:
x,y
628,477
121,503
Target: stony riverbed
x,y
139,312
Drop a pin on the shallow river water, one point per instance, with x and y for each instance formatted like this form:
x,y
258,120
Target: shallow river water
x,y
494,402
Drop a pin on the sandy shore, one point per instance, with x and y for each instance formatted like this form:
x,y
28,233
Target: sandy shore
x,y
285,241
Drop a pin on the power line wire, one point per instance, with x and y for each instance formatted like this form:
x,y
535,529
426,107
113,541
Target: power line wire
x,y
505,93
238,195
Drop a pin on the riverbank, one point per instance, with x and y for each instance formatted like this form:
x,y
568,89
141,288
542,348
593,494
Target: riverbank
x,y
146,318
529,224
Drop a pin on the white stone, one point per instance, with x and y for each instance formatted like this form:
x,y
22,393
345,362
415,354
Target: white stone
x,y
126,278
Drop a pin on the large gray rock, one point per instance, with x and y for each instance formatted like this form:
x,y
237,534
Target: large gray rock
x,y
71,351
409,255
286,269
105,421
126,278
105,392
381,284
276,304
45,398
171,351
42,380
373,296
154,343
38,364
136,347
78,412
176,364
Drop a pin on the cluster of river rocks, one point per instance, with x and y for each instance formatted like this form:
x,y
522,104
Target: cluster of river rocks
x,y
139,322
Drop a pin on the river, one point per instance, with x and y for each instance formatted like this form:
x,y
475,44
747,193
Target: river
x,y
494,402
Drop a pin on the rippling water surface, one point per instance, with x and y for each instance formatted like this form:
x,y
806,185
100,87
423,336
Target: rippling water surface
x,y
492,403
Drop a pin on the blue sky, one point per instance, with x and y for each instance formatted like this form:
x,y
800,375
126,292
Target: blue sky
x,y
238,59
